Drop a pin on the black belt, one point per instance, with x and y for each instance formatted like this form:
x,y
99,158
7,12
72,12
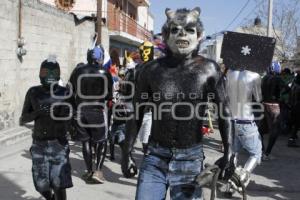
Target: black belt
x,y
173,144
243,121
45,141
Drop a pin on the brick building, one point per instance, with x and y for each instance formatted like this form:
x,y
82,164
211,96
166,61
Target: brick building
x,y
127,23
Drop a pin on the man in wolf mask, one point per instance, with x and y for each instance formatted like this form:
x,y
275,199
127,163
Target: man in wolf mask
x,y
184,81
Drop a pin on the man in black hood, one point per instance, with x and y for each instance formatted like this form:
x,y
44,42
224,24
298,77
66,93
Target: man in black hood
x,y
271,86
92,90
45,105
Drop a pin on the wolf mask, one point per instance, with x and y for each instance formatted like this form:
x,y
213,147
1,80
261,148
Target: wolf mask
x,y
182,30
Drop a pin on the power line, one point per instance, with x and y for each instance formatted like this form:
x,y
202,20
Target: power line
x,y
241,10
221,32
257,5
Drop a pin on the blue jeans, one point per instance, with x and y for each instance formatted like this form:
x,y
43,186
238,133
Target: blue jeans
x,y
51,168
118,132
170,167
247,136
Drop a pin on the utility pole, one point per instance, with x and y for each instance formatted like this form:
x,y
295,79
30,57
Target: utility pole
x,y
99,20
270,16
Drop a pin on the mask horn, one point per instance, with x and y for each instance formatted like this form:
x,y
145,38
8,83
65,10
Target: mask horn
x,y
169,13
196,12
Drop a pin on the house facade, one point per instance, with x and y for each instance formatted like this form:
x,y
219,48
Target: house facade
x,y
126,23
30,31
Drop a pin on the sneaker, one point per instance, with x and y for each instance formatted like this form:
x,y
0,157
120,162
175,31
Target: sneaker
x,y
98,177
266,157
233,184
228,193
245,178
87,177
293,143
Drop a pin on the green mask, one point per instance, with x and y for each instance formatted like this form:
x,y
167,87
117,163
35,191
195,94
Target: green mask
x,y
49,73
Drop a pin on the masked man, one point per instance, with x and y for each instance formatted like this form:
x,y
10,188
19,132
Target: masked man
x,y
51,169
242,86
294,101
146,52
243,62
92,90
272,85
119,114
147,55
177,88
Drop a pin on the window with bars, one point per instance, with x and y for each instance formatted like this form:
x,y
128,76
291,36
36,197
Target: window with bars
x,y
118,4
65,4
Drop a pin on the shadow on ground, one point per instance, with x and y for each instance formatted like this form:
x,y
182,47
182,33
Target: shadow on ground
x,y
12,191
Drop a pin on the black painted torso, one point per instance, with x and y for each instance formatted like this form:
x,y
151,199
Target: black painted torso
x,y
94,83
168,81
271,88
45,127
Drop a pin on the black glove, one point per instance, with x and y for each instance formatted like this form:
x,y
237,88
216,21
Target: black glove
x,y
128,166
224,164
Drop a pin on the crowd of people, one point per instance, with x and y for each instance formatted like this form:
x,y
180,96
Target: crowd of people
x,y
153,95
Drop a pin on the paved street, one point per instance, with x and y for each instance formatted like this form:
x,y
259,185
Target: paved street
x,y
276,179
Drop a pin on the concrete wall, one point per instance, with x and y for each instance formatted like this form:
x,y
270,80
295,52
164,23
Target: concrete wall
x,y
150,22
46,30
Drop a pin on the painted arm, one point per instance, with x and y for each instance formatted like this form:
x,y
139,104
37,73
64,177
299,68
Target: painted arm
x,y
28,113
128,165
72,87
257,89
110,83
224,114
109,97
257,107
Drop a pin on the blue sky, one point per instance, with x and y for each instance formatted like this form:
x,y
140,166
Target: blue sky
x,y
216,15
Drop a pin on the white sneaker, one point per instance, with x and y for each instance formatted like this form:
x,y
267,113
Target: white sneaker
x,y
98,177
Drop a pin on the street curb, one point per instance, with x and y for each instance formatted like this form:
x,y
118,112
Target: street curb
x,y
14,135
